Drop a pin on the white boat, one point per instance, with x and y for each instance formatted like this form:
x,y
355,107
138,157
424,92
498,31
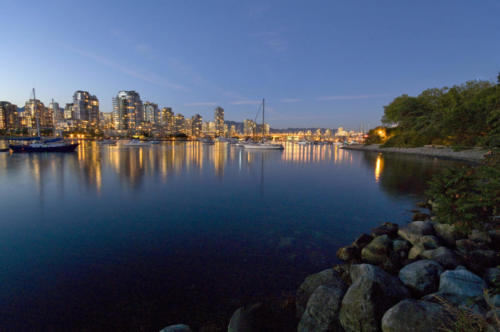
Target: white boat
x,y
263,145
136,142
303,142
207,140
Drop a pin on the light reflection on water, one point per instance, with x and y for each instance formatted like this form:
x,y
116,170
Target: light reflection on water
x,y
187,230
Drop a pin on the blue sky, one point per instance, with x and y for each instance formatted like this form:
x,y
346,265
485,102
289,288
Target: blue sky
x,y
317,63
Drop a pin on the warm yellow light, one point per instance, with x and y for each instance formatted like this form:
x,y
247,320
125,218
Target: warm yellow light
x,y
379,166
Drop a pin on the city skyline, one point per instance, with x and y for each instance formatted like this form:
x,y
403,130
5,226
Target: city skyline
x,y
323,65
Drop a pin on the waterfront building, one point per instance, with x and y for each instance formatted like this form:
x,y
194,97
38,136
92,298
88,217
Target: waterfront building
x,y
69,114
9,116
219,121
196,125
57,112
151,113
85,107
35,110
341,132
267,128
127,110
188,127
232,131
249,127
167,120
179,124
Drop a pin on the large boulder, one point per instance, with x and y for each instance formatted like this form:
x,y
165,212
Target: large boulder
x,y
415,316
415,230
251,318
387,228
401,245
415,251
461,282
430,242
326,277
444,256
377,250
479,236
373,292
361,241
421,276
448,233
176,328
348,253
479,260
322,311
492,276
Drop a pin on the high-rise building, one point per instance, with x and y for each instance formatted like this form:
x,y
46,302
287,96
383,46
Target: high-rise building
x,y
9,117
85,107
179,124
69,114
151,113
167,120
249,127
35,110
57,112
127,110
196,125
219,121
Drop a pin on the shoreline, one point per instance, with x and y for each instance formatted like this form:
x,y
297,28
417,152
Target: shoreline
x,y
471,155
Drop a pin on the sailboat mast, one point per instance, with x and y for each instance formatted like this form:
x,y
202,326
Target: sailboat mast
x,y
263,102
37,118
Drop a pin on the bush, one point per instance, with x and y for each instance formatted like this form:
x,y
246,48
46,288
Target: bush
x,y
467,196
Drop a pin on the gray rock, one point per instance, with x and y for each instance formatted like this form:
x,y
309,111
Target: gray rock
x,y
372,293
415,251
415,316
461,282
475,304
348,253
387,228
176,328
377,250
444,256
448,233
401,245
430,242
479,260
492,276
325,277
421,276
466,245
479,236
251,318
415,230
361,241
322,311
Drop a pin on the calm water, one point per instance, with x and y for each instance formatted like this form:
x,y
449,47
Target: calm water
x,y
137,238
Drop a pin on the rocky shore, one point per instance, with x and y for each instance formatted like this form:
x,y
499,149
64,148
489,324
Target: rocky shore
x,y
473,155
423,276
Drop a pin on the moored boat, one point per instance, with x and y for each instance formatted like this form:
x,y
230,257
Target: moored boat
x,y
136,142
263,145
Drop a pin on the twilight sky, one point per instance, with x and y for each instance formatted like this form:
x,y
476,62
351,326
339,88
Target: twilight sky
x,y
317,63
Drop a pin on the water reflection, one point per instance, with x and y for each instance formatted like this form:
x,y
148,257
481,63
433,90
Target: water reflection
x,y
399,174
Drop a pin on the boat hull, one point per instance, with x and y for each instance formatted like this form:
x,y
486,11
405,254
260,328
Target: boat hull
x,y
263,146
27,148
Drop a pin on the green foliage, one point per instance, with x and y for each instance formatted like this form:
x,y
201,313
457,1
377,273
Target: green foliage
x,y
463,115
467,196
374,137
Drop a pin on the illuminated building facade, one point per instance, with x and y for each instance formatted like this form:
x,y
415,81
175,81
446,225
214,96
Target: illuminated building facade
x,y
33,110
127,110
9,117
196,125
219,121
249,127
151,113
167,120
86,107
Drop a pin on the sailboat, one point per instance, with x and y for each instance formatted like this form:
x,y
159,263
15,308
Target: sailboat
x,y
48,145
263,145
